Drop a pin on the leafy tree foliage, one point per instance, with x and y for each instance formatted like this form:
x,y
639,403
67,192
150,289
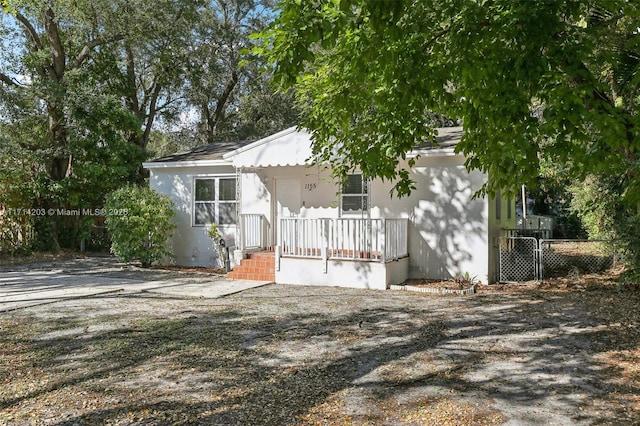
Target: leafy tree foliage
x,y
534,83
14,228
596,201
263,111
555,80
224,80
151,64
600,204
86,86
54,77
139,221
553,195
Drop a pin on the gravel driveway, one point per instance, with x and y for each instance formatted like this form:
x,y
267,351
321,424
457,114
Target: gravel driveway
x,y
280,355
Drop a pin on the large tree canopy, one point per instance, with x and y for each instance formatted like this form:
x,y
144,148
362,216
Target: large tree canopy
x,y
224,83
62,120
557,80
85,86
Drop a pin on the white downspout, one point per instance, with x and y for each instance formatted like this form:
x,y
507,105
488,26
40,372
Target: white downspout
x,y
524,206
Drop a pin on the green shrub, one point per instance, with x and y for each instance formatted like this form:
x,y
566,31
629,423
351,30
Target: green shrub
x,y
216,238
15,234
139,221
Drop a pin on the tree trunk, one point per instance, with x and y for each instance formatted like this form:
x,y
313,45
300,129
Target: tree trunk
x,y
213,120
60,164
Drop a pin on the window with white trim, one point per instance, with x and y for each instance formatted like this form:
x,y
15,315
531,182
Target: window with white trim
x,y
214,201
355,194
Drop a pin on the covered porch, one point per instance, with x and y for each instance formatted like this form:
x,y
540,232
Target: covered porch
x,y
352,252
314,231
319,231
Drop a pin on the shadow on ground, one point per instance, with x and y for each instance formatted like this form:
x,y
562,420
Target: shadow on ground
x,y
298,355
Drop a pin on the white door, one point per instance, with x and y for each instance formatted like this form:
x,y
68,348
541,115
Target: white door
x,y
287,204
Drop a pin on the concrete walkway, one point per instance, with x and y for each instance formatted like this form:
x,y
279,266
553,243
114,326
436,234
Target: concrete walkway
x,y
34,284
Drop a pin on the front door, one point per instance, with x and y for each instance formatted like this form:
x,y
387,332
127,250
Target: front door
x,y
287,201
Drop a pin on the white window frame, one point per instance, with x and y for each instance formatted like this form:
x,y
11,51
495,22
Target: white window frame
x,y
364,197
216,201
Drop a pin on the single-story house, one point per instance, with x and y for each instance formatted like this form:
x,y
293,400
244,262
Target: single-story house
x,y
289,221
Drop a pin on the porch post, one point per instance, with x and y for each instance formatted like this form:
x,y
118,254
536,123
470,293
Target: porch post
x,y
239,221
383,233
325,245
278,245
238,253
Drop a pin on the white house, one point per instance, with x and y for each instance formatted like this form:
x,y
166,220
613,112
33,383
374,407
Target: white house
x,y
267,196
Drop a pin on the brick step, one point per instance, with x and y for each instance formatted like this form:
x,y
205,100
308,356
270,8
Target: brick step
x,y
258,266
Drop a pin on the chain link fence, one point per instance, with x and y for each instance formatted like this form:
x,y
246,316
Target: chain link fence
x,y
531,259
565,257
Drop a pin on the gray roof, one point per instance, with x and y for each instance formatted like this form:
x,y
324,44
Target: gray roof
x,y
213,151
447,137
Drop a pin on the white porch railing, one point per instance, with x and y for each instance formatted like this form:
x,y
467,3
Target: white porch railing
x,y
344,238
254,231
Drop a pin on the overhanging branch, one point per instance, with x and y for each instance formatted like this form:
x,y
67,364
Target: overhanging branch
x,y
31,31
88,48
8,80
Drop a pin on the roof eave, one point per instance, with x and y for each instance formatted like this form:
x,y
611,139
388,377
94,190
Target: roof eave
x,y
433,152
189,163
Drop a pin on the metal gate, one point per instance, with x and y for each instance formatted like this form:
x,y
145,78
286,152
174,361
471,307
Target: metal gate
x,y
518,259
529,259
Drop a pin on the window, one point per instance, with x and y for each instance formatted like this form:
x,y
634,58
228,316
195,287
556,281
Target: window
x,y
215,201
355,194
498,204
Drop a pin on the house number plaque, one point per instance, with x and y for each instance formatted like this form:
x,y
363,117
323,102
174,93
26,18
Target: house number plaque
x,y
310,186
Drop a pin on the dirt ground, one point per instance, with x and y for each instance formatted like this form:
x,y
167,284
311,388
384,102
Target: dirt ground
x,y
562,353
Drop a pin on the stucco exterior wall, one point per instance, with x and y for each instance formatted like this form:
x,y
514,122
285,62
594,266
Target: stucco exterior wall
x,y
448,229
342,273
255,196
316,197
449,232
190,244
